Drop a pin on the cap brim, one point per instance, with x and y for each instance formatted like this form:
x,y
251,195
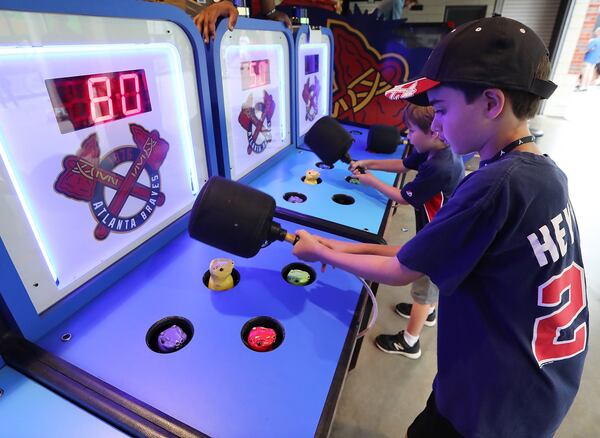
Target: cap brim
x,y
413,91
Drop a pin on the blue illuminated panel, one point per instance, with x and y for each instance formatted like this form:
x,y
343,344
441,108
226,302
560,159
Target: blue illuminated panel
x,y
24,399
281,393
370,209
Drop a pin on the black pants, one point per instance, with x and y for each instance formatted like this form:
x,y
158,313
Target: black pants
x,y
431,424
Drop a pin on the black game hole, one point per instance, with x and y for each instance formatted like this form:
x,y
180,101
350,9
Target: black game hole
x,y
295,197
325,166
319,180
352,180
169,335
343,199
264,327
298,274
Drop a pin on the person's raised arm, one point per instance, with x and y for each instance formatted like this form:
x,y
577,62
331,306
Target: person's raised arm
x,y
268,10
206,20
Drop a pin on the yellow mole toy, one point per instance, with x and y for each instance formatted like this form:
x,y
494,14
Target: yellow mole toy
x,y
220,274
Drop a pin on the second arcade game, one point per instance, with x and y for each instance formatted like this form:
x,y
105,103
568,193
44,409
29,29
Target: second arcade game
x,y
270,88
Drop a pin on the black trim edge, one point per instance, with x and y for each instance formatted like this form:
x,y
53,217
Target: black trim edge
x,y
366,314
328,226
347,356
387,215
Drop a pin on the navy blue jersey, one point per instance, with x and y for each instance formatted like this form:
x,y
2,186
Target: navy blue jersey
x,y
415,159
513,316
435,181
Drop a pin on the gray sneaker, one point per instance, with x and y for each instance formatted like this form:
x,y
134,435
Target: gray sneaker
x,y
404,309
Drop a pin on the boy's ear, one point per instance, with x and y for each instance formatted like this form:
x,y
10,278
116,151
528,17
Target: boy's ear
x,y
494,100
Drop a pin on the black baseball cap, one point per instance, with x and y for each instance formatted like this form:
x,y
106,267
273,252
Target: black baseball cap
x,y
497,52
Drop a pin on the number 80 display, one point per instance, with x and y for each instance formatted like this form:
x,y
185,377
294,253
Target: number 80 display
x,y
89,100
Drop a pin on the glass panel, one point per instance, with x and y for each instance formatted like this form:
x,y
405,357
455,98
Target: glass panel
x,y
256,93
89,177
314,82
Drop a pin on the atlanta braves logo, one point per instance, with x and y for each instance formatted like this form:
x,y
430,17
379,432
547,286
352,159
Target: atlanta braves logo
x,y
85,177
256,120
310,95
362,76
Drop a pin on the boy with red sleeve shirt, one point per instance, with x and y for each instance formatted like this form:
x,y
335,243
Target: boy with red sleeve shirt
x,y
439,172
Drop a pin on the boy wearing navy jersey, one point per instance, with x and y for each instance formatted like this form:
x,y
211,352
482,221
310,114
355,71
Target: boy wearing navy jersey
x,y
504,251
439,171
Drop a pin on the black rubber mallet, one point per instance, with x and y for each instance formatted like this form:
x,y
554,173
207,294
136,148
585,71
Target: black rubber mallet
x,y
330,141
235,218
383,139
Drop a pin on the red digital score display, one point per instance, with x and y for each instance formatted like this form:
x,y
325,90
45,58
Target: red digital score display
x,y
255,74
83,101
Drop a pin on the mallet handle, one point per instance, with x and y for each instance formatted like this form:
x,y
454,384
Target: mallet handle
x,y
292,238
346,159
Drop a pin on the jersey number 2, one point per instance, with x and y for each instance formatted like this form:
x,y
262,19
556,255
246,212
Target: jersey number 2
x,y
546,329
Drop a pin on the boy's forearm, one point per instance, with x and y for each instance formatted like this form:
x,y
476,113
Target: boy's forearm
x,y
378,268
373,249
390,192
387,165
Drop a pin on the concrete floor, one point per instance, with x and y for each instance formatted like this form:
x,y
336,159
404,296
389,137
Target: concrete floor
x,y
384,393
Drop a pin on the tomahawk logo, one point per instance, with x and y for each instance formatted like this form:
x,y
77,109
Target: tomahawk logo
x,y
362,76
310,95
85,178
256,120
